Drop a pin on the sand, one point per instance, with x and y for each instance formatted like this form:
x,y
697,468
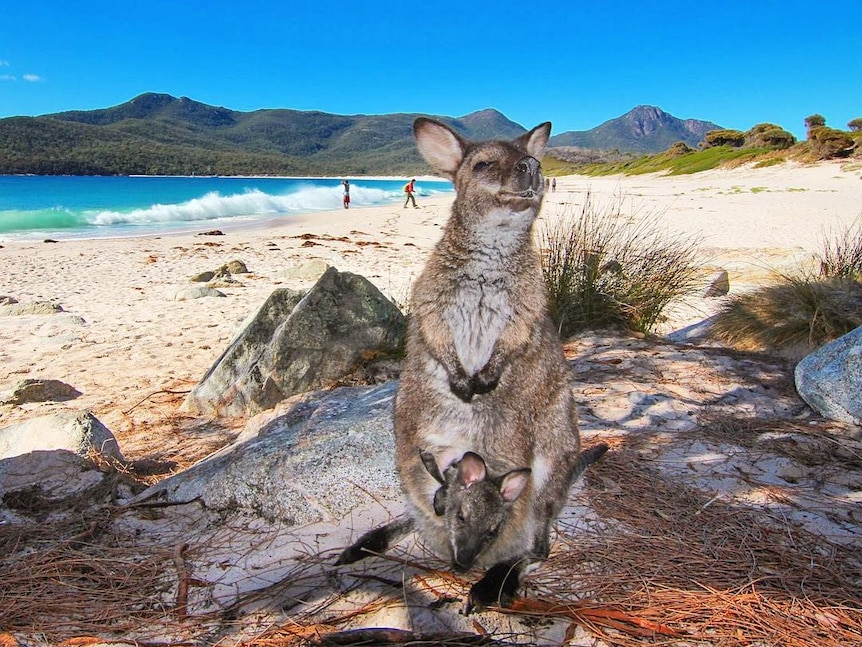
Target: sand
x,y
123,340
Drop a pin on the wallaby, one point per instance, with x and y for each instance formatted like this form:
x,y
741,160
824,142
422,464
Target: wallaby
x,y
484,370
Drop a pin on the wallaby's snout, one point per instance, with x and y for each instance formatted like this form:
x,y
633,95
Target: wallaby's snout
x,y
528,175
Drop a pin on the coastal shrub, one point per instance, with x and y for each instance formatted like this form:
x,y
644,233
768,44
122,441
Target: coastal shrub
x,y
769,136
855,124
827,142
814,121
604,269
801,311
734,138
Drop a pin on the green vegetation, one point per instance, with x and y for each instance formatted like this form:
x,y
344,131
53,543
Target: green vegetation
x,y
604,269
733,138
827,142
803,311
763,145
675,164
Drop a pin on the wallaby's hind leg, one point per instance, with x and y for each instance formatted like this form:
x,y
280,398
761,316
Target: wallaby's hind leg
x,y
378,540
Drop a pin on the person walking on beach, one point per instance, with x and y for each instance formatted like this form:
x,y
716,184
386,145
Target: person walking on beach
x,y
410,189
554,185
346,185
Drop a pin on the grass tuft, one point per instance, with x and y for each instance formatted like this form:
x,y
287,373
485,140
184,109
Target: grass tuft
x,y
603,268
801,312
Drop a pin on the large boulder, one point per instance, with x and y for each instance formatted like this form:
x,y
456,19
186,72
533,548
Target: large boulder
x,y
312,460
298,342
830,378
74,431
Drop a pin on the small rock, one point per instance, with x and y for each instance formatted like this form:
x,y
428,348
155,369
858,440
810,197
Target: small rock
x,y
203,277
36,390
187,294
212,232
74,431
31,308
718,285
233,267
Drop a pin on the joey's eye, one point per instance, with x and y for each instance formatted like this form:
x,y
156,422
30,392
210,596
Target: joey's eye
x,y
460,516
478,167
493,532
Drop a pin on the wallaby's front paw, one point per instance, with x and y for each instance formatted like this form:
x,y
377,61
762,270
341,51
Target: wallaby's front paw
x,y
462,386
485,381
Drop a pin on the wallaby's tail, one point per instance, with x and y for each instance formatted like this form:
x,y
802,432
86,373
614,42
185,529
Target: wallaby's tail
x,y
587,458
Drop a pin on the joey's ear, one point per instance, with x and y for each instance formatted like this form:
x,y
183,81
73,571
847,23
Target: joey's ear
x,y
440,502
471,469
441,146
534,142
513,483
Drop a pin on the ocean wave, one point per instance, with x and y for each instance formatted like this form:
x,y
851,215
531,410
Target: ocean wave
x,y
57,218
253,203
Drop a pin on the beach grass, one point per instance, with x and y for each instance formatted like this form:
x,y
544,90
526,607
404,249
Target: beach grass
x,y
603,268
803,309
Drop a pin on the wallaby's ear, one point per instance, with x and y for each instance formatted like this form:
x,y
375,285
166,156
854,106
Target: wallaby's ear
x,y
534,142
471,469
513,483
431,465
441,146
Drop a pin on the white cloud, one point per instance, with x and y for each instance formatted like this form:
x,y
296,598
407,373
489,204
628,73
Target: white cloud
x,y
33,78
7,77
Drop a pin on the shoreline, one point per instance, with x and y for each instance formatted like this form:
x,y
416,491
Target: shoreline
x,y
123,337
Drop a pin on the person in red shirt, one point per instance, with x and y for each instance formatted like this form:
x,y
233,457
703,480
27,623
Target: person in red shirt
x,y
410,189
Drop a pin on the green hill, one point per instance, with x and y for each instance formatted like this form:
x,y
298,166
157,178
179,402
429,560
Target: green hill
x,y
158,134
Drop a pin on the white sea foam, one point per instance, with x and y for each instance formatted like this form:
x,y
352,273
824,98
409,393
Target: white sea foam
x,y
253,203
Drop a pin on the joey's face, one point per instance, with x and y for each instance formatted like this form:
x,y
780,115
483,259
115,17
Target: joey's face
x,y
474,517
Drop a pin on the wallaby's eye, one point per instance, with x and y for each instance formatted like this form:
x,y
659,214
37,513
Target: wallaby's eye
x,y
460,516
478,167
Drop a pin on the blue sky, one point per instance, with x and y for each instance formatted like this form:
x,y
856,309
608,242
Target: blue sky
x,y
578,64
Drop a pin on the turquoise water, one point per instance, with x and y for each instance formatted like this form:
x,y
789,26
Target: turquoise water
x,y
62,207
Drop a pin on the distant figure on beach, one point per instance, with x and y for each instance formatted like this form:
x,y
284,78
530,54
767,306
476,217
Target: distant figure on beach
x,y
554,184
547,184
410,189
346,185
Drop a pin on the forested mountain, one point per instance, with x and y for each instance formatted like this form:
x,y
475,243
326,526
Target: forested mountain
x,y
644,129
157,134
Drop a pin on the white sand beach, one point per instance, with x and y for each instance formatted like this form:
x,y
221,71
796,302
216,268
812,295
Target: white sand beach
x,y
123,339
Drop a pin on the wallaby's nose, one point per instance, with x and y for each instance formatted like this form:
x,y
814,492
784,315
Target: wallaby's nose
x,y
528,166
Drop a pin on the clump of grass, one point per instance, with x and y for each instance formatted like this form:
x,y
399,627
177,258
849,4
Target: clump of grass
x,y
792,317
841,252
604,269
800,312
